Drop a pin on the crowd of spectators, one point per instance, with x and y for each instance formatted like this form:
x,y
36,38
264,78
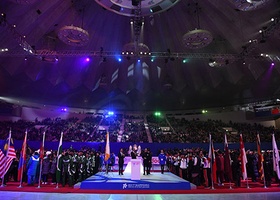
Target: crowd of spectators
x,y
132,129
197,131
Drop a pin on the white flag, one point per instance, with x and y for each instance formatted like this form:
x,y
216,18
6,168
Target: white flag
x,y
243,158
107,149
275,157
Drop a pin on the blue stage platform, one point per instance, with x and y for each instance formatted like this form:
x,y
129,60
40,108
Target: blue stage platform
x,y
154,181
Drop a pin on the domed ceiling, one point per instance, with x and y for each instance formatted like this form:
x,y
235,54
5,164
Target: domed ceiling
x,y
140,55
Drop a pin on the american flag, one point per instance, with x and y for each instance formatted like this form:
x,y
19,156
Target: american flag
x,y
6,160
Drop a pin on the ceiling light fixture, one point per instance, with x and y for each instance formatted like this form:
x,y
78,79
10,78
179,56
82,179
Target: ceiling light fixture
x,y
74,36
197,38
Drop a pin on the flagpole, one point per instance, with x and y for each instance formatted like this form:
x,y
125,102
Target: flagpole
x,y
211,162
21,171
248,187
228,158
275,157
230,187
57,159
261,158
41,161
9,141
264,181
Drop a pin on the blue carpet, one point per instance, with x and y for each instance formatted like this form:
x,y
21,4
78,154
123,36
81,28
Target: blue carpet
x,y
154,181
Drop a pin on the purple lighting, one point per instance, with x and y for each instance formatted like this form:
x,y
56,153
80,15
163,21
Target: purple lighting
x,y
87,59
272,64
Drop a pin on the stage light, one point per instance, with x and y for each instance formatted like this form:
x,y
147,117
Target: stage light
x,y
138,60
119,59
87,59
157,114
185,60
110,113
272,64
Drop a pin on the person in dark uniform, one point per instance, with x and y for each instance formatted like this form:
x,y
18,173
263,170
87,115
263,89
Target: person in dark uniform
x,y
121,161
133,154
236,168
67,175
146,161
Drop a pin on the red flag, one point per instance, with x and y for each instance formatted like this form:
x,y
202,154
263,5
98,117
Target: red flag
x,y
243,158
211,156
227,157
42,147
41,158
22,160
7,160
260,157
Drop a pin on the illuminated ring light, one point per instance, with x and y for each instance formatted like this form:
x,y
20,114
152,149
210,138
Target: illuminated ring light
x,y
197,39
24,2
249,4
73,36
148,7
130,47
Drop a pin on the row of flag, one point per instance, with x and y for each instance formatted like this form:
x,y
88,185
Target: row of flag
x,y
243,157
9,153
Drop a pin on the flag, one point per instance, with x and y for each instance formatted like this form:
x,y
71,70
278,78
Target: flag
x,y
243,158
227,161
107,149
211,156
59,160
8,159
260,157
41,157
22,159
275,157
42,147
2,162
